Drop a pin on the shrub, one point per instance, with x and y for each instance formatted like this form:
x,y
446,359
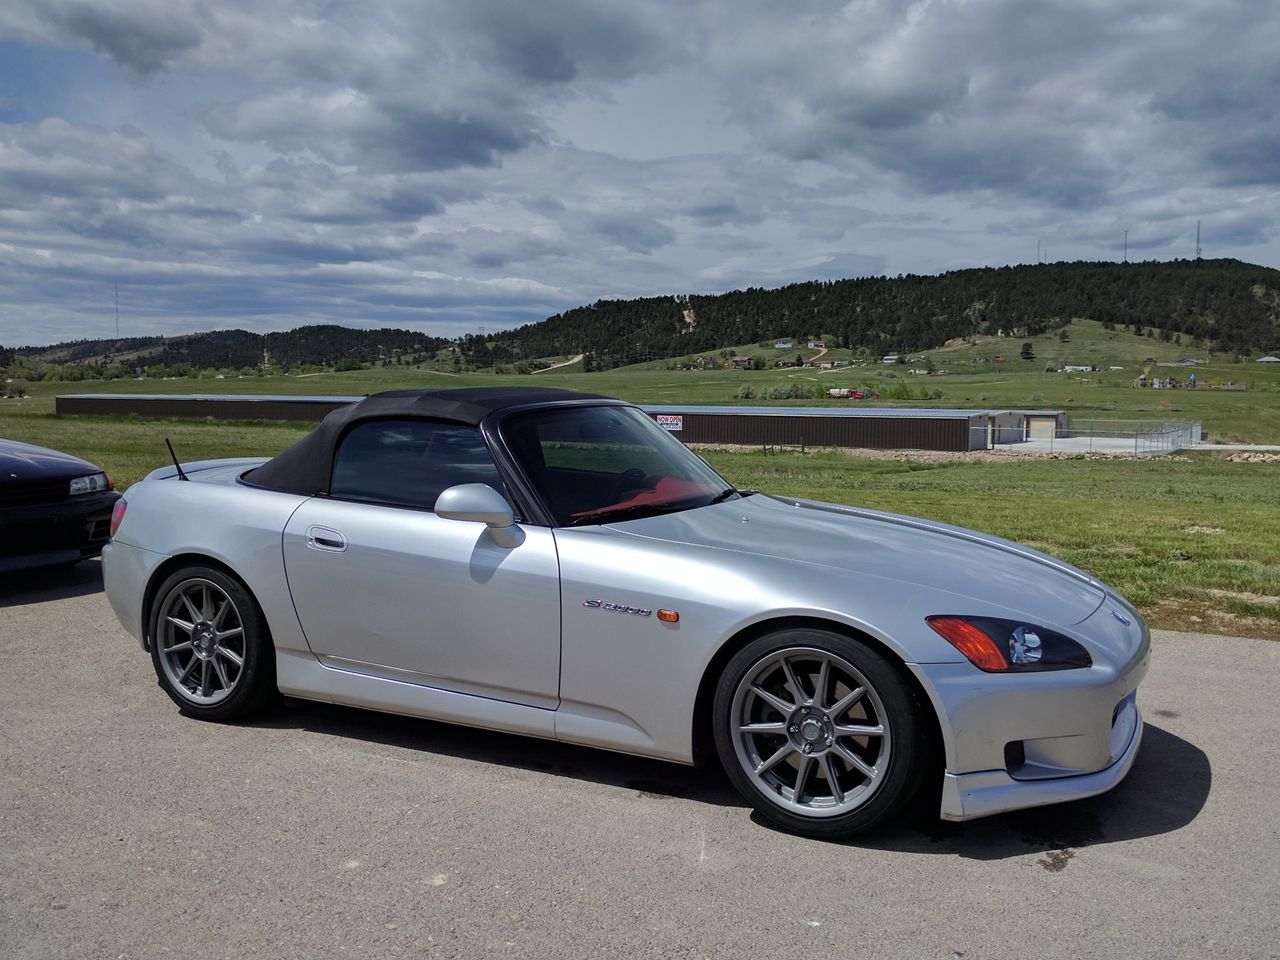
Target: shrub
x,y
746,392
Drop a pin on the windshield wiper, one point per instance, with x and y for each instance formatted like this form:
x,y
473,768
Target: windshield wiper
x,y
722,496
633,512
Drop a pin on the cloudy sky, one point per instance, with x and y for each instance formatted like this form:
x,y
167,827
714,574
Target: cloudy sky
x,y
450,164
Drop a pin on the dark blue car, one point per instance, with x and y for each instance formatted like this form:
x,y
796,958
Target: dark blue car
x,y
54,508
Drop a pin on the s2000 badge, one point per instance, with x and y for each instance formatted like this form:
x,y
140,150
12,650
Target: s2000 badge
x,y
617,607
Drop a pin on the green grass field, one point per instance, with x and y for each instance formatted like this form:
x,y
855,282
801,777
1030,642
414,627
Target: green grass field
x,y
1194,540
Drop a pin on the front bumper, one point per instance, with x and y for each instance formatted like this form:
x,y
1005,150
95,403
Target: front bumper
x,y
972,795
1026,740
43,535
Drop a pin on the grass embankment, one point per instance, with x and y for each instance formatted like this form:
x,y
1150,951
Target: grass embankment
x,y
1193,540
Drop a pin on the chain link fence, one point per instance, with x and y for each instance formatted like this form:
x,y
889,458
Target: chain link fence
x,y
1138,438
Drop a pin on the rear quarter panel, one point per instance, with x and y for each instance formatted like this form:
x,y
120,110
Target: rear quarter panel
x,y
239,526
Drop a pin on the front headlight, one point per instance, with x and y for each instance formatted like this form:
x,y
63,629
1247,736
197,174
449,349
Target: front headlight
x,y
93,483
1006,646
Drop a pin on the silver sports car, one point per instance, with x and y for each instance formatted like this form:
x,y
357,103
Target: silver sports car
x,y
555,564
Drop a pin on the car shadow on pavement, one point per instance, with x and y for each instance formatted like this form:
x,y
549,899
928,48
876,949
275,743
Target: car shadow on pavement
x,y
50,583
1166,789
647,777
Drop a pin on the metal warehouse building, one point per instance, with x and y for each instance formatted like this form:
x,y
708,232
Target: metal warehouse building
x,y
884,428
220,407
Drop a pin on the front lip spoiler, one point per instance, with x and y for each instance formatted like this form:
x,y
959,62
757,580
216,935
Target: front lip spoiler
x,y
969,796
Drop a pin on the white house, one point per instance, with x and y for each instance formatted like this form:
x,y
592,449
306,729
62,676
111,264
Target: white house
x,y
1268,359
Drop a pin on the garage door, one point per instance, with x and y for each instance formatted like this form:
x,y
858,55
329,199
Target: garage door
x,y
1042,428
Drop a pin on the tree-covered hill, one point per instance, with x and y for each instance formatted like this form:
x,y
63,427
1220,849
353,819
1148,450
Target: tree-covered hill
x,y
322,345
1226,305
1229,305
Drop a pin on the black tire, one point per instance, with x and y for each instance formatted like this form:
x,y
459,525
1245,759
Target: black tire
x,y
754,687
213,615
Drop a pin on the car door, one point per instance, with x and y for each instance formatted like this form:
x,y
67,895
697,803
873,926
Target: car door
x,y
384,587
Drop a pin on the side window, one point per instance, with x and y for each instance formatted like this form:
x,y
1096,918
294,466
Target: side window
x,y
410,462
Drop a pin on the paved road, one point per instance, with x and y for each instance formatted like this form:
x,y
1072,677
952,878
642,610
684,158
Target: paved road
x,y
129,831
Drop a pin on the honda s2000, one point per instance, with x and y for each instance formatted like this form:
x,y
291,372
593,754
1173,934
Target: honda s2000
x,y
555,564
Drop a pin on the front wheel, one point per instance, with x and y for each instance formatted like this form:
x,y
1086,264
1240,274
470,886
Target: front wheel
x,y
818,732
210,646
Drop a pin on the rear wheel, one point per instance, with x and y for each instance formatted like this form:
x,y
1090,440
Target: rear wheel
x,y
209,645
819,732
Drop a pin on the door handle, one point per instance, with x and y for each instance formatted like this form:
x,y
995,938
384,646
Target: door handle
x,y
323,538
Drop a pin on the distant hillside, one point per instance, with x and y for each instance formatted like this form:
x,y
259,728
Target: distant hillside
x,y
1229,305
313,345
1225,305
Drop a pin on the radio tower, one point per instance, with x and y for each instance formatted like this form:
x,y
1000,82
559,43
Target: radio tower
x,y
1197,239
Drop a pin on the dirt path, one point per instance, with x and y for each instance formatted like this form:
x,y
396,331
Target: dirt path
x,y
565,363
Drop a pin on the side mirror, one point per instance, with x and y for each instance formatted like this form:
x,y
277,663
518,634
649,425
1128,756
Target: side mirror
x,y
479,502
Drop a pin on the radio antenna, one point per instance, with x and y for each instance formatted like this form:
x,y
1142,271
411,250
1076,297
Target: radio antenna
x,y
177,465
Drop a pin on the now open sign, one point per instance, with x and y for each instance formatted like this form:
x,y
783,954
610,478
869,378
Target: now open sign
x,y
671,421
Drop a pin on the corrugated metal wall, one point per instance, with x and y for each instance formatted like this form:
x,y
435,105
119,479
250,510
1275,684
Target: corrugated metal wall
x,y
880,433
178,406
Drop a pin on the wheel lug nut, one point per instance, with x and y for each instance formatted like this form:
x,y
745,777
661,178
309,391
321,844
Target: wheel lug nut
x,y
808,748
793,728
825,718
830,741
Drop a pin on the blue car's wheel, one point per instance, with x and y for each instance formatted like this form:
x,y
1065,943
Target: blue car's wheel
x,y
819,732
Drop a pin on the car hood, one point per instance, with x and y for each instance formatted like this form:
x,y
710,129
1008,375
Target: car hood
x,y
889,546
24,463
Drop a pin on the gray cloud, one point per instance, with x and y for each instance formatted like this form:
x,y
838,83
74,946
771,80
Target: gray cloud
x,y
349,129
143,36
637,232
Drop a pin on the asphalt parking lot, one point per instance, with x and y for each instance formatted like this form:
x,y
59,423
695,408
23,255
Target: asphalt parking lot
x,y
129,831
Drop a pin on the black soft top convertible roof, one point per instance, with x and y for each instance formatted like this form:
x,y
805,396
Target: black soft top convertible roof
x,y
305,467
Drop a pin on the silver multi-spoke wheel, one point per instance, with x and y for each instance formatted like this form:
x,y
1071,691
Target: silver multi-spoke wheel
x,y
201,642
810,732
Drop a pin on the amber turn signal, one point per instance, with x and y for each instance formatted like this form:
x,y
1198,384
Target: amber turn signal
x,y
668,616
978,648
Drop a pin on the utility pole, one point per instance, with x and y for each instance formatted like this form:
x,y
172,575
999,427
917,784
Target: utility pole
x,y
117,311
1197,239
1126,246
1037,249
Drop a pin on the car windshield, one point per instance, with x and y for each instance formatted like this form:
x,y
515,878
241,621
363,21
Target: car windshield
x,y
597,464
